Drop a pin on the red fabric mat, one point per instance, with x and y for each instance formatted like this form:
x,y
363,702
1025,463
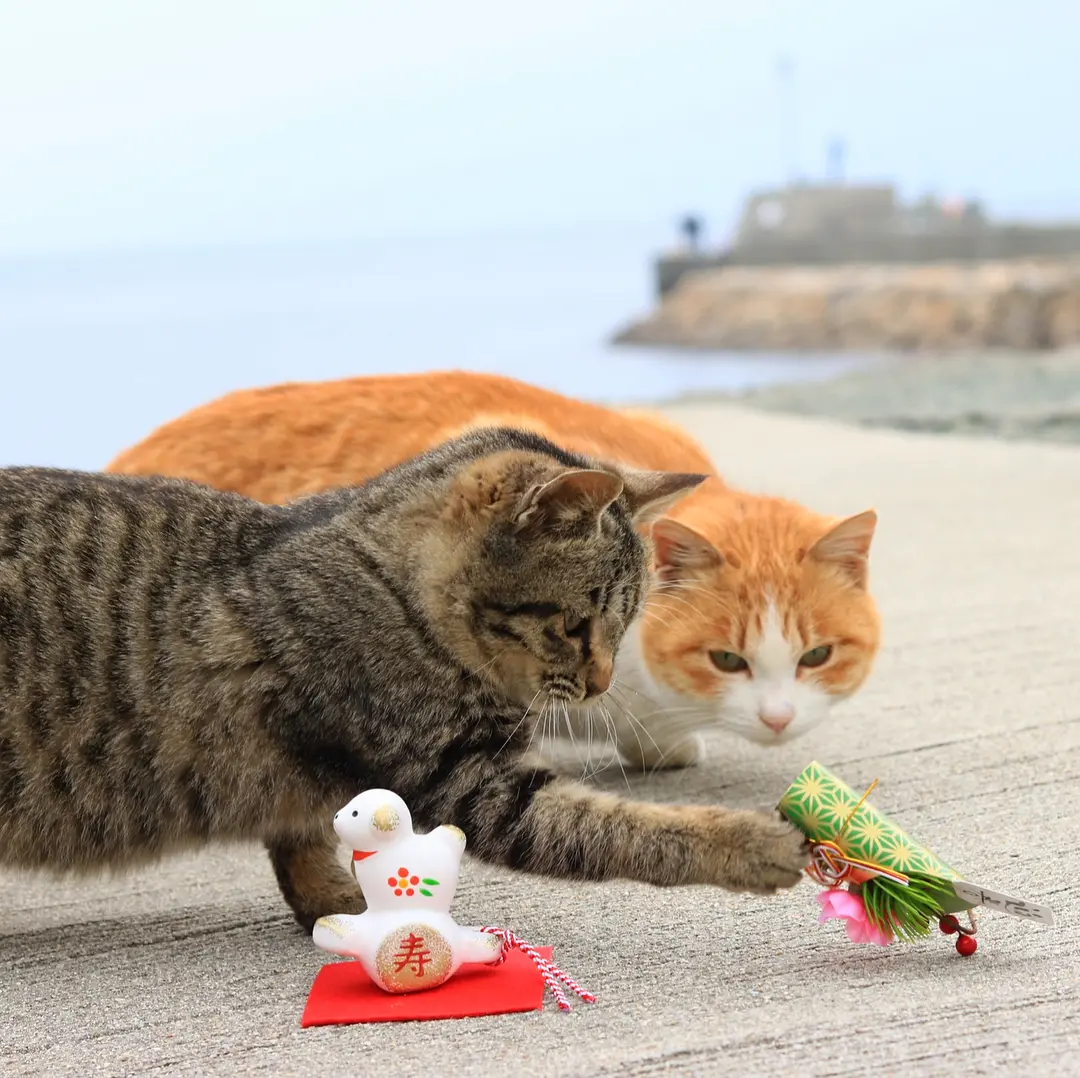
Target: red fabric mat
x,y
343,994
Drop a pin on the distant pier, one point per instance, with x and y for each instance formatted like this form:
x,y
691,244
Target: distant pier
x,y
837,224
838,267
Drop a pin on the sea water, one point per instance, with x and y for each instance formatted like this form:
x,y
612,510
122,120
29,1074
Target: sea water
x,y
96,350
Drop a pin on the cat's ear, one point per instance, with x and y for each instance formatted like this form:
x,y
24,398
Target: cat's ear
x,y
848,545
650,495
681,552
571,500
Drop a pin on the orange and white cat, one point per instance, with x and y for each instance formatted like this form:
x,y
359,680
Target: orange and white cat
x,y
762,619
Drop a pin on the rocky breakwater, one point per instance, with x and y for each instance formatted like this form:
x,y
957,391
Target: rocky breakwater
x,y
1024,305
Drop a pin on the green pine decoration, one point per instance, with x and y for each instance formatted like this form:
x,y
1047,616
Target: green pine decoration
x,y
826,809
908,913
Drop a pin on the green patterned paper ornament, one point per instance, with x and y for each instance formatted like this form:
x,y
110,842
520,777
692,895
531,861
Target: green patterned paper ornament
x,y
883,883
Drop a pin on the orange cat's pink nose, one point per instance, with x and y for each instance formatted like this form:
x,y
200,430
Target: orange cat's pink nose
x,y
777,717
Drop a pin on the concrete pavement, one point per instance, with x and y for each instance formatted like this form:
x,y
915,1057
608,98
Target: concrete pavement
x,y
971,723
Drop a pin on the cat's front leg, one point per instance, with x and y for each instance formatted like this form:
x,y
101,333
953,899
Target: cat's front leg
x,y
571,831
312,880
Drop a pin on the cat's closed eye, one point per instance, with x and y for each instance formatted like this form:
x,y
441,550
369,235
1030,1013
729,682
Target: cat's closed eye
x,y
574,624
815,657
529,610
728,662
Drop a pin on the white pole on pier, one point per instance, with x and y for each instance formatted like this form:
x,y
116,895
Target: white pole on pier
x,y
789,131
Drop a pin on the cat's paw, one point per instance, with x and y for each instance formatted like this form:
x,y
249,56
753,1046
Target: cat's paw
x,y
312,881
328,903
763,853
661,755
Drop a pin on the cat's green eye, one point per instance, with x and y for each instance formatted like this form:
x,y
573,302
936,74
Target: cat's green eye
x,y
728,661
816,657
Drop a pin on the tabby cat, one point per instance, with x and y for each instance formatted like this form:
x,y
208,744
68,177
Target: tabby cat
x,y
766,622
179,664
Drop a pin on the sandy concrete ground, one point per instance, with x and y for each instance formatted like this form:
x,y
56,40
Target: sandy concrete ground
x,y
971,722
1033,396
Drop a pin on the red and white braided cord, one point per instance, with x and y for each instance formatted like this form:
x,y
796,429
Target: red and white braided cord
x,y
551,973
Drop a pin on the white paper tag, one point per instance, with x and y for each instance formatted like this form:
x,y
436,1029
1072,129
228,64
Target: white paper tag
x,y
994,900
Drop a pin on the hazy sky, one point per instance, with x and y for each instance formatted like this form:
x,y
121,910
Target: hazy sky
x,y
152,121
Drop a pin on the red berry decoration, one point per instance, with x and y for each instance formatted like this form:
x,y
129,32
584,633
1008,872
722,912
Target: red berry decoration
x,y
967,945
949,924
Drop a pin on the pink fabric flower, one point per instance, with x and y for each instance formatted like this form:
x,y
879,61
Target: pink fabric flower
x,y
840,903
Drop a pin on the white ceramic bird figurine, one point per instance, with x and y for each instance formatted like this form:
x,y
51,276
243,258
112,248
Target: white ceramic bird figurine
x,y
406,939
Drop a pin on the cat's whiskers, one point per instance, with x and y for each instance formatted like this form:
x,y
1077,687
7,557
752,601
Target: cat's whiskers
x,y
635,724
659,709
663,617
691,713
613,732
588,744
547,717
540,719
653,611
510,735
690,722
673,733
679,601
660,760
671,587
480,669
611,745
569,724
618,685
684,585
677,592
604,753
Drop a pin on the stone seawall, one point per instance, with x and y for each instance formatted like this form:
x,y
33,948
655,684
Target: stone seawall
x,y
1028,305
